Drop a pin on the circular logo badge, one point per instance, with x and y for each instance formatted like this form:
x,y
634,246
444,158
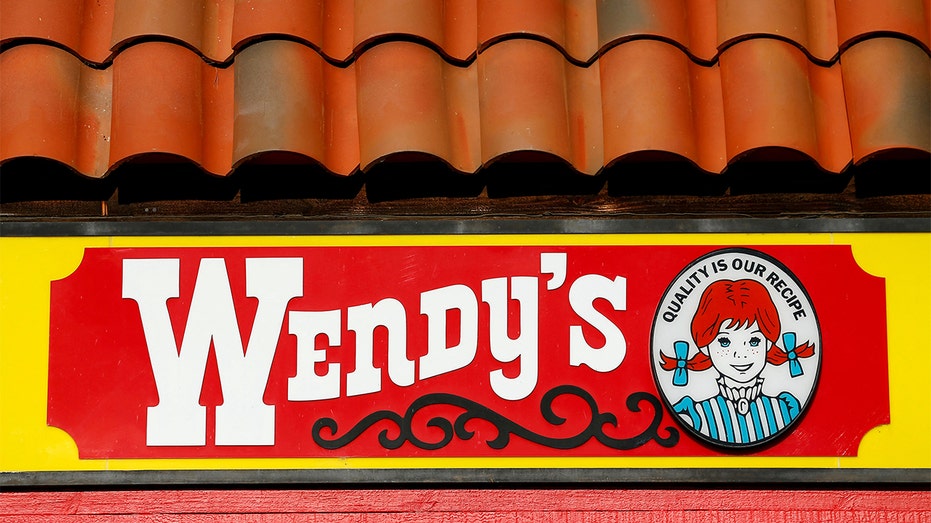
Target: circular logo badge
x,y
736,348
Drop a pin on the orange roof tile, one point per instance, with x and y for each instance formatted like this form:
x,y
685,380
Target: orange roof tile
x,y
887,83
92,84
97,30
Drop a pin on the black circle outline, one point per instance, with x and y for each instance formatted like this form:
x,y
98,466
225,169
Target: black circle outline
x,y
662,393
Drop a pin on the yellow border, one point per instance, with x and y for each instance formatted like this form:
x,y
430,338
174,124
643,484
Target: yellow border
x,y
27,265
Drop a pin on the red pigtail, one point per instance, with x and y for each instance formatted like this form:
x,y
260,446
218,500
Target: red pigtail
x,y
699,361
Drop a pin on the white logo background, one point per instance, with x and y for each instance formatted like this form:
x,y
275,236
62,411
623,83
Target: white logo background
x,y
674,315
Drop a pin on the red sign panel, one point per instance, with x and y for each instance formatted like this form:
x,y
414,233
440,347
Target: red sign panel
x,y
467,351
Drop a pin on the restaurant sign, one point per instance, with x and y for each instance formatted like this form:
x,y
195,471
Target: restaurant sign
x,y
174,353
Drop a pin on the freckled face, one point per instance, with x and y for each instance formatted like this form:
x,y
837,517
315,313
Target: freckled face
x,y
738,353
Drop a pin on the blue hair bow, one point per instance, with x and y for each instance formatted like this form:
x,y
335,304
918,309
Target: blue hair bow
x,y
680,377
795,368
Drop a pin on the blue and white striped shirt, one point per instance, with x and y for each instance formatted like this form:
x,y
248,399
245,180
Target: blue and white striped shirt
x,y
717,417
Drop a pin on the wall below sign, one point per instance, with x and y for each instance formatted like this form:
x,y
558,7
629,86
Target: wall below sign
x,y
846,506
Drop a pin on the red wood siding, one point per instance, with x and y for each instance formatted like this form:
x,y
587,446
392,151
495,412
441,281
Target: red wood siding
x,y
468,505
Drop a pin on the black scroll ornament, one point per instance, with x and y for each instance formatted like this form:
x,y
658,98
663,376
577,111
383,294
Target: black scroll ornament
x,y
504,426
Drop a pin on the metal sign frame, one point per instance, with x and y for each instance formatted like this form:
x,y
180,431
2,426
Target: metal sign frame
x,y
905,477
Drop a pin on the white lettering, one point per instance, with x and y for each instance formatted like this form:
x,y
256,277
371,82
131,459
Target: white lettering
x,y
452,335
439,358
525,346
364,319
554,263
582,295
307,385
243,418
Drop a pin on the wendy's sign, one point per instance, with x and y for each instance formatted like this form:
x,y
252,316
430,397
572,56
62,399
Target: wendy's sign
x,y
473,351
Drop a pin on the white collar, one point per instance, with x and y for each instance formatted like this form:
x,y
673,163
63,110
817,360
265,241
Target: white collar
x,y
741,396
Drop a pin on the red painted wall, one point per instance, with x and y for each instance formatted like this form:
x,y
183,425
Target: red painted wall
x,y
468,505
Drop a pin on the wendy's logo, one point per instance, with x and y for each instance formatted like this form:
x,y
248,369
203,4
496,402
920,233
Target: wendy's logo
x,y
736,348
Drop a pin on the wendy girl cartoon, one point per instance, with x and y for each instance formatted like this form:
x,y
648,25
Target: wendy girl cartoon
x,y
736,328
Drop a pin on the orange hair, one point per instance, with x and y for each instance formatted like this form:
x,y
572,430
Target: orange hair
x,y
732,304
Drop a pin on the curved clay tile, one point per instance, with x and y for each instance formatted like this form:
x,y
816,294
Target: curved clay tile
x,y
656,99
167,100
888,86
823,28
289,99
687,23
532,99
808,23
456,28
53,106
411,100
641,96
856,18
342,30
304,20
565,23
775,97
448,24
83,26
205,26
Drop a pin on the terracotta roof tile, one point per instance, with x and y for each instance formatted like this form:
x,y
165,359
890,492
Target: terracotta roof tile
x,y
53,106
167,100
809,24
351,84
887,82
656,99
82,26
289,99
857,19
97,30
204,26
775,97
692,25
416,102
